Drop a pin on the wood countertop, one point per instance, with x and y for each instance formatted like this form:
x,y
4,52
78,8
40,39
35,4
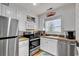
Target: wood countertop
x,y
59,38
23,39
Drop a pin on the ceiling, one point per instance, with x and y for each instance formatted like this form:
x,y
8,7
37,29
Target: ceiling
x,y
39,8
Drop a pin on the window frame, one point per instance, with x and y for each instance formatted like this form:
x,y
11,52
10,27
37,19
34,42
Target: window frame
x,y
53,18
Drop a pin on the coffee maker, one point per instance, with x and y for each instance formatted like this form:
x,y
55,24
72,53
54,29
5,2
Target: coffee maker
x,y
70,34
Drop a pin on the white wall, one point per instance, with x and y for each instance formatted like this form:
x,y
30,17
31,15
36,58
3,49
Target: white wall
x,y
67,13
77,22
41,21
18,13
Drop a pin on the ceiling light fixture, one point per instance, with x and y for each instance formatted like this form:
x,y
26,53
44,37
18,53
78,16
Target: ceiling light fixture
x,y
50,12
34,4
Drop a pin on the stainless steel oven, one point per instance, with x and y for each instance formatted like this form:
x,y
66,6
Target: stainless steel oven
x,y
34,42
34,46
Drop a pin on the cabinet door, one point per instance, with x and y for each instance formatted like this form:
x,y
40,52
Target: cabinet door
x,y
26,53
59,48
52,46
24,48
21,51
49,45
44,44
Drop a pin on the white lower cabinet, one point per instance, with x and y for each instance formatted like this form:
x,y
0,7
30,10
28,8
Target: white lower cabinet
x,y
52,45
24,48
43,44
49,45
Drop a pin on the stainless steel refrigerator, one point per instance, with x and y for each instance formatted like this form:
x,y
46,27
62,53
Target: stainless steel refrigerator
x,y
8,36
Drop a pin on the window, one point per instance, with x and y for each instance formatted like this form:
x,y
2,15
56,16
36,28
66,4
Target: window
x,y
53,26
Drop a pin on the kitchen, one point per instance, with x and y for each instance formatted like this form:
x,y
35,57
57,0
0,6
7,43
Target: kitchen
x,y
39,29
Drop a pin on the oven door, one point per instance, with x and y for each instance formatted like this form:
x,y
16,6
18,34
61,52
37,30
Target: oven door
x,y
34,43
34,46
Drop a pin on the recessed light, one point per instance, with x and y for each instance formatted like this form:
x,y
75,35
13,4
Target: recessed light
x,y
34,4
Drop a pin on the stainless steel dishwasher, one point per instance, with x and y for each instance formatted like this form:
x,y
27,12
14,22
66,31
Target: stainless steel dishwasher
x,y
66,48
71,48
62,48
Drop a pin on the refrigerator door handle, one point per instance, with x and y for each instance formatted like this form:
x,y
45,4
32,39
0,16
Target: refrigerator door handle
x,y
4,38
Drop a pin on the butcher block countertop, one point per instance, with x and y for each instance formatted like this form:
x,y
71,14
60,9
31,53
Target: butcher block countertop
x,y
59,38
23,39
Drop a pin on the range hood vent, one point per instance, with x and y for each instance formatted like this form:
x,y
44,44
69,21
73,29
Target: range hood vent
x,y
6,4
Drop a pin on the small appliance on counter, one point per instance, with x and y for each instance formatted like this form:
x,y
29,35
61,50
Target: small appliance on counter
x,y
70,35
